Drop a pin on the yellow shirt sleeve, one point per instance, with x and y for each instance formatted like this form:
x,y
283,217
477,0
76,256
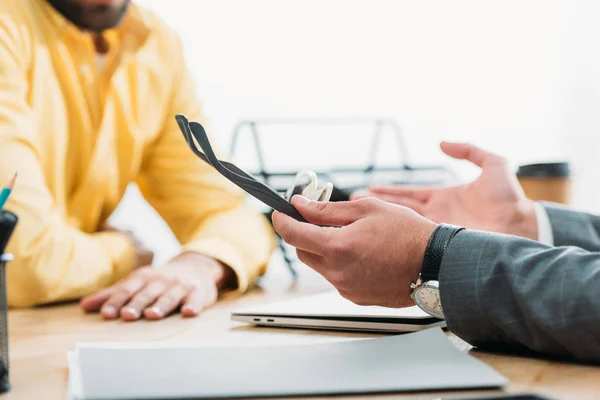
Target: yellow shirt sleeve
x,y
53,261
206,212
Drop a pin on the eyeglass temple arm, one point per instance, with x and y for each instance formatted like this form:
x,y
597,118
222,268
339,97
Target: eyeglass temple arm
x,y
243,180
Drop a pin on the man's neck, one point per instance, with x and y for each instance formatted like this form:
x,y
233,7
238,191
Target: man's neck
x,y
100,43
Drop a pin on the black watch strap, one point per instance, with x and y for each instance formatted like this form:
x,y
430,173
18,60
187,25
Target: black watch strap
x,y
441,236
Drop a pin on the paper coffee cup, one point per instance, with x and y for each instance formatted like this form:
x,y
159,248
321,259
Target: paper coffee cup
x,y
546,181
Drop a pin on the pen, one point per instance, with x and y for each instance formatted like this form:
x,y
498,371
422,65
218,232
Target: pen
x,y
6,191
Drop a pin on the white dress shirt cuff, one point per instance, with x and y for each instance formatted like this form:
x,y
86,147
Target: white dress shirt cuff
x,y
545,235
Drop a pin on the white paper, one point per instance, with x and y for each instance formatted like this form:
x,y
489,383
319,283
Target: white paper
x,y
425,360
74,386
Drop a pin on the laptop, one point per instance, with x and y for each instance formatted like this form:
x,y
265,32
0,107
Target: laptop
x,y
330,311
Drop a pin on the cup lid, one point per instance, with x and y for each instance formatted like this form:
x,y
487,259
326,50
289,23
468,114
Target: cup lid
x,y
545,170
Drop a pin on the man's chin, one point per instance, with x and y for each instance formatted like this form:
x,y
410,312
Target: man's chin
x,y
94,16
103,2
101,18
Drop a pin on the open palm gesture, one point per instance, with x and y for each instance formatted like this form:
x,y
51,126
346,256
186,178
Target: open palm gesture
x,y
493,202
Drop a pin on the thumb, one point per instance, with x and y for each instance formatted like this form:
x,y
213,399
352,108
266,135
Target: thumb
x,y
327,213
466,151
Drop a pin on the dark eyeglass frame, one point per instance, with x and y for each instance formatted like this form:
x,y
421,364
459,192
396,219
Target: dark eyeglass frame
x,y
194,130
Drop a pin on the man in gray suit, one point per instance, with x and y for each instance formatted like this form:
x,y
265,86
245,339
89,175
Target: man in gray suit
x,y
505,287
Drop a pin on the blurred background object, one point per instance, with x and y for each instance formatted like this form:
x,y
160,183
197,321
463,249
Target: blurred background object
x,y
517,77
547,182
345,151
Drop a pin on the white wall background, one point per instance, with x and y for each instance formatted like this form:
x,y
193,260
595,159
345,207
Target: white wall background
x,y
514,76
580,138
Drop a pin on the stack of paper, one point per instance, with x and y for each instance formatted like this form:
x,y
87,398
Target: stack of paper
x,y
425,360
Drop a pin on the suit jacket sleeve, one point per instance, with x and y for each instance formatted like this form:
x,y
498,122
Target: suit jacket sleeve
x,y
573,228
498,289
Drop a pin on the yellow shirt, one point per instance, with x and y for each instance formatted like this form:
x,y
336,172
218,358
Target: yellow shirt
x,y
78,136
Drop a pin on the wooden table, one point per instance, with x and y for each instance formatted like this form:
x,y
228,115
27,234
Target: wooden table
x,y
40,339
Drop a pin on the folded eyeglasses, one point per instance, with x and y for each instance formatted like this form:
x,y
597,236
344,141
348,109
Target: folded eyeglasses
x,y
305,182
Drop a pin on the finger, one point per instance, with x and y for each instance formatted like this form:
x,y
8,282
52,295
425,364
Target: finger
x,y
302,235
168,302
93,302
359,194
143,298
314,261
197,301
403,201
340,213
419,194
121,295
466,151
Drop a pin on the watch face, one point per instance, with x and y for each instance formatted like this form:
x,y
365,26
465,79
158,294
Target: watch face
x,y
427,297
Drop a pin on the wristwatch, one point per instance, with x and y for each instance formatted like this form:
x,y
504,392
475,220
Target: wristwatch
x,y
426,291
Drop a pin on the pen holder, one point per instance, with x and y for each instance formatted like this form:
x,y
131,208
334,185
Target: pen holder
x,y
4,382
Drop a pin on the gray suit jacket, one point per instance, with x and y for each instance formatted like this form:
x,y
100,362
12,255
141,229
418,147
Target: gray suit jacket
x,y
498,289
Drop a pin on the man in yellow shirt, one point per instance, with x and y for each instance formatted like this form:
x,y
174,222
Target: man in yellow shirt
x,y
88,94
